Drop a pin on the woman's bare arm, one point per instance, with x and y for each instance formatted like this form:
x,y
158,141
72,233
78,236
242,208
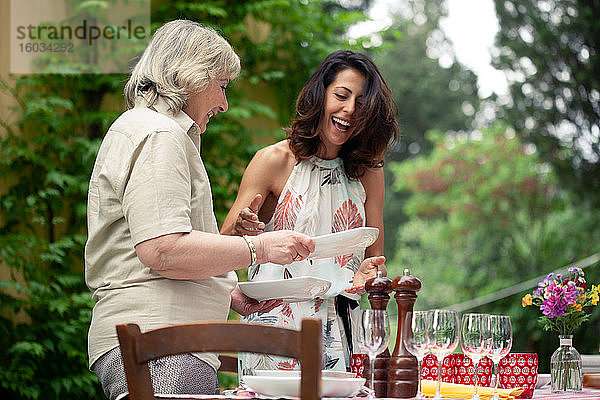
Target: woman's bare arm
x,y
199,255
374,184
264,177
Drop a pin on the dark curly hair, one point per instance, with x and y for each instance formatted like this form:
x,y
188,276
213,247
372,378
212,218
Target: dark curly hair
x,y
376,126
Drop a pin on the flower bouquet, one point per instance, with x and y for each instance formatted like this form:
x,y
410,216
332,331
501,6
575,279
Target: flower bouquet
x,y
562,300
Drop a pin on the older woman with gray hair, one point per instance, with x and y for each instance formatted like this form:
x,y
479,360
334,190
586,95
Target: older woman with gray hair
x,y
154,255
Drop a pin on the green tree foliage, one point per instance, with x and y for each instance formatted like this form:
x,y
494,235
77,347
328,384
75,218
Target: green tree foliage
x,y
485,213
278,48
428,95
549,50
46,158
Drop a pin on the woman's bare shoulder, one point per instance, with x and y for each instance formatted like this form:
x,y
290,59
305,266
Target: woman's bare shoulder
x,y
269,170
277,155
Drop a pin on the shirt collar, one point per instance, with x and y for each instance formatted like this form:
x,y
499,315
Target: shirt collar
x,y
183,120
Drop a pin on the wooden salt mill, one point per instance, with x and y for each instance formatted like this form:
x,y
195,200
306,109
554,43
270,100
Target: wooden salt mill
x,y
379,290
403,372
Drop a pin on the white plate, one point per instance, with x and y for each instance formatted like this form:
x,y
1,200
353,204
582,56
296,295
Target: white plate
x,y
542,380
290,290
280,372
344,242
289,386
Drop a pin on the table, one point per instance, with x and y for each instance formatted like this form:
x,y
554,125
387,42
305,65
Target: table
x,y
538,394
546,394
543,393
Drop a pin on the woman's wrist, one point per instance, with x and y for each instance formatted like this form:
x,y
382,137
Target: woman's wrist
x,y
260,251
252,249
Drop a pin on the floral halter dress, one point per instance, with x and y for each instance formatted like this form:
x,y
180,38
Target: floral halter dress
x,y
317,199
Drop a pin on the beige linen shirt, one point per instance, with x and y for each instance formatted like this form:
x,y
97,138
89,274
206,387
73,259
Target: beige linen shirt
x,y
148,180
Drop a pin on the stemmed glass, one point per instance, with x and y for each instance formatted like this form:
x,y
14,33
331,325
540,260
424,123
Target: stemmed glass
x,y
416,339
501,344
374,336
444,337
476,341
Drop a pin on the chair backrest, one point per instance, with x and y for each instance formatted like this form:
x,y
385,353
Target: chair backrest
x,y
228,362
138,348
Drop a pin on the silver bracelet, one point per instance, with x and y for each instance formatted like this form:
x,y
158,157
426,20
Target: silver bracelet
x,y
252,249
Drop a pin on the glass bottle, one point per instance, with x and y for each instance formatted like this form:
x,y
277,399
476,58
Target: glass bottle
x,y
566,367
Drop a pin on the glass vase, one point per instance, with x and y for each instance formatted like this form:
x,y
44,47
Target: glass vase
x,y
565,367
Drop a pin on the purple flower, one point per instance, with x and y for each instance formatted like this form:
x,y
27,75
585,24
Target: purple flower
x,y
557,298
546,281
576,270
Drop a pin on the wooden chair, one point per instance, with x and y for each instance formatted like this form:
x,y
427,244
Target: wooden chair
x,y
229,363
138,348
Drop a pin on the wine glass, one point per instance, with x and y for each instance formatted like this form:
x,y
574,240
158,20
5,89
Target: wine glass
x,y
476,340
416,339
444,337
374,336
501,344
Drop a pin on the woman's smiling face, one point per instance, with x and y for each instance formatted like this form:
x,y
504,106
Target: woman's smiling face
x,y
342,97
201,106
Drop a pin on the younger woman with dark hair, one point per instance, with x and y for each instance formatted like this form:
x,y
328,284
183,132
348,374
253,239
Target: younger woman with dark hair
x,y
374,119
325,177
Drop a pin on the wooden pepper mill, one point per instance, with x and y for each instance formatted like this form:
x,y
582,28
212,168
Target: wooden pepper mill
x,y
379,290
403,373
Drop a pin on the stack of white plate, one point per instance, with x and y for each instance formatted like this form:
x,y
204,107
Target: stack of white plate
x,y
287,383
590,363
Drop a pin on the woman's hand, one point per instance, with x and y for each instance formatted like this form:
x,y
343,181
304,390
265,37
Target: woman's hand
x,y
245,305
247,222
367,270
282,247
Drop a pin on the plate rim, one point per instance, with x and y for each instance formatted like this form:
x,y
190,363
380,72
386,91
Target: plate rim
x,y
327,236
297,372
297,377
368,228
295,380
288,279
289,298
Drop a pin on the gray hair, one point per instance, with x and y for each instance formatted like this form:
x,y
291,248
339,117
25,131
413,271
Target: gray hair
x,y
182,58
